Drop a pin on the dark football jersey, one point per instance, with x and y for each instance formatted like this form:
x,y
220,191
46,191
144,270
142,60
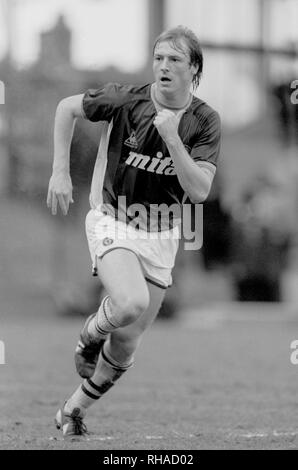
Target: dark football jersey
x,y
139,167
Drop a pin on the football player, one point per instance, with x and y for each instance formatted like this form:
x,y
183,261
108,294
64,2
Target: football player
x,y
158,151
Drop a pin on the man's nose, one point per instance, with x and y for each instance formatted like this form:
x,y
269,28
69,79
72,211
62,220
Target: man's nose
x,y
164,64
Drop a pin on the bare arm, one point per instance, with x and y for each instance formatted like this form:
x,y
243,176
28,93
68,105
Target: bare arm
x,y
60,185
195,181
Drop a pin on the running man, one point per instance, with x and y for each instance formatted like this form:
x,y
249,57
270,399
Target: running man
x,y
158,150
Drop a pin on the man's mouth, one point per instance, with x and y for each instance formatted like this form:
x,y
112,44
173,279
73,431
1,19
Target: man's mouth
x,y
165,79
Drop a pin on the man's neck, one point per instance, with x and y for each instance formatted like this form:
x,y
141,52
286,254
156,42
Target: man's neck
x,y
170,101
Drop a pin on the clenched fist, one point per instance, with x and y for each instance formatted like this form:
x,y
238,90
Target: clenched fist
x,y
166,122
60,191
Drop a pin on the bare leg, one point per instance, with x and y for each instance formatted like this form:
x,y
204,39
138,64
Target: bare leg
x,y
123,279
123,342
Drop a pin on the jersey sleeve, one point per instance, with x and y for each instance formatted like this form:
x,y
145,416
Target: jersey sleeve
x,y
207,147
102,103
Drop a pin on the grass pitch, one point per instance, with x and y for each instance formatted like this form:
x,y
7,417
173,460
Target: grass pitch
x,y
214,379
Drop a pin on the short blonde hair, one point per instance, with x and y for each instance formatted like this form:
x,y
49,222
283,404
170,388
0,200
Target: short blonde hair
x,y
174,35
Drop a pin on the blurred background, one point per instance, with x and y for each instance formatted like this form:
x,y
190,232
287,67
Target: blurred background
x,y
50,49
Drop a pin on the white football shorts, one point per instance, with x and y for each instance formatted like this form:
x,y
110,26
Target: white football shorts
x,y
156,251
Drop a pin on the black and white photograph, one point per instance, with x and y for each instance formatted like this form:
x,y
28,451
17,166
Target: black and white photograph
x,y
148,227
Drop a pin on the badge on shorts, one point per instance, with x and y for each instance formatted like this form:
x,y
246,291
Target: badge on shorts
x,y
107,241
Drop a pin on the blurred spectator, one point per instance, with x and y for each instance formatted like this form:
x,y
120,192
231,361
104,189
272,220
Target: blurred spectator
x,y
264,226
217,229
286,112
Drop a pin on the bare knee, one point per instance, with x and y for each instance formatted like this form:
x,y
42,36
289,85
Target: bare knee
x,y
128,308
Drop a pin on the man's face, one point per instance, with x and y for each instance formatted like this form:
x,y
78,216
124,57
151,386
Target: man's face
x,y
171,67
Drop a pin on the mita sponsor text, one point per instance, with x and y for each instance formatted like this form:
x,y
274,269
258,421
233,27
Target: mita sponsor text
x,y
158,164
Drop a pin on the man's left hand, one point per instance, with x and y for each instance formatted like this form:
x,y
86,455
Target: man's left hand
x,y
166,123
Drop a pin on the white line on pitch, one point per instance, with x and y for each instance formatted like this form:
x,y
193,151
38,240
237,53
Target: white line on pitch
x,y
251,435
95,438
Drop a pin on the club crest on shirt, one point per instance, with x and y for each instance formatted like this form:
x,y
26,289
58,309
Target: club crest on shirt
x,y
132,141
107,241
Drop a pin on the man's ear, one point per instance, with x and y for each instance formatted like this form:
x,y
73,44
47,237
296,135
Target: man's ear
x,y
194,69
